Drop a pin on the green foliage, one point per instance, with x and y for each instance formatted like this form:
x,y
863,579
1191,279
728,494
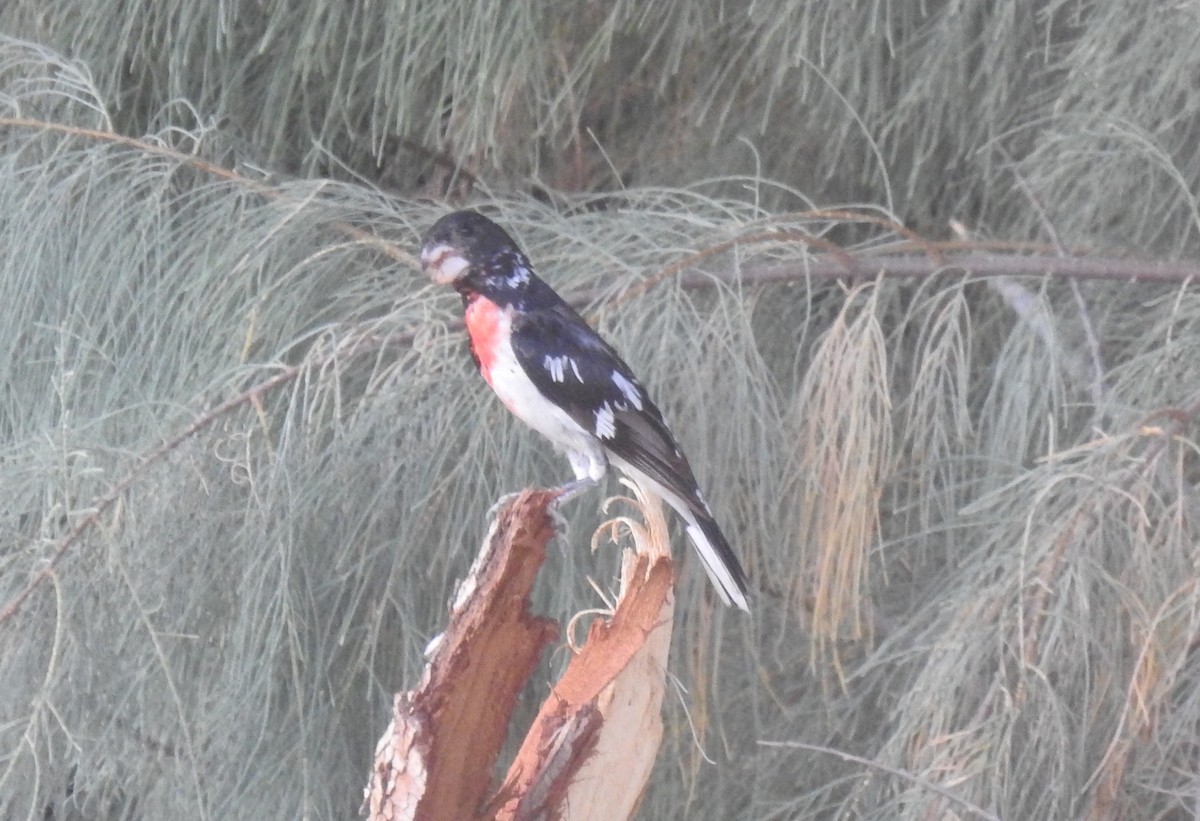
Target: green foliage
x,y
931,109
227,576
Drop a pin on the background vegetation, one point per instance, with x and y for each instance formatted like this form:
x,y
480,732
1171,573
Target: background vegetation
x,y
243,457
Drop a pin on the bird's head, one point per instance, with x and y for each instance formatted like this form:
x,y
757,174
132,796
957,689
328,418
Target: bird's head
x,y
469,251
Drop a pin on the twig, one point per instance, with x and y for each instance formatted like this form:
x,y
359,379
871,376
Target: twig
x,y
835,252
974,809
1090,508
1006,259
390,249
979,264
106,501
1089,334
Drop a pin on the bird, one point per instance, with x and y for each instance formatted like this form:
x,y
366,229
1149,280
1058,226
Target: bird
x,y
558,376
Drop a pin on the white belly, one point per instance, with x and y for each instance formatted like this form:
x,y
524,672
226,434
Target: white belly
x,y
517,391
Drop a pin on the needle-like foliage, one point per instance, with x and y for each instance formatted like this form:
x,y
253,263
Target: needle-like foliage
x,y
244,457
931,109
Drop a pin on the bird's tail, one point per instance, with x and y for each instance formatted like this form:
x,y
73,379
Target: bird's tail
x,y
716,555
718,558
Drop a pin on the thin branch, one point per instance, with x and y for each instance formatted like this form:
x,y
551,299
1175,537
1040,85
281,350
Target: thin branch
x,y
103,503
978,264
1087,515
974,809
1093,343
363,343
681,265
938,257
386,247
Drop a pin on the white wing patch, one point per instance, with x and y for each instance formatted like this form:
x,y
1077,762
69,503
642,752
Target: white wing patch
x,y
517,391
519,275
556,366
514,266
628,388
606,422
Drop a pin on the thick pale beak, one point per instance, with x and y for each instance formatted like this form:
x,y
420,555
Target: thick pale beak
x,y
443,263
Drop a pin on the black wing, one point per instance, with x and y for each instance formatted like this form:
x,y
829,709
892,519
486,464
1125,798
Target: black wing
x,y
581,373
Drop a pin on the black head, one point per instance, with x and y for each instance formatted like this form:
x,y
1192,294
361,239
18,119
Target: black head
x,y
466,243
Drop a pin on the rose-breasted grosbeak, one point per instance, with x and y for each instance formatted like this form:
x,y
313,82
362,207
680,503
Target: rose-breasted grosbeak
x,y
559,377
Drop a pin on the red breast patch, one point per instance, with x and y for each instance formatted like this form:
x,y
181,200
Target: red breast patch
x,y
485,321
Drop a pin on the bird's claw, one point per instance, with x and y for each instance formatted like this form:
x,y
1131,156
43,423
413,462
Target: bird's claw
x,y
563,493
557,519
572,489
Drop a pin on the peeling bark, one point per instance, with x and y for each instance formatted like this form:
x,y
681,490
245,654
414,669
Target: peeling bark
x,y
590,750
452,726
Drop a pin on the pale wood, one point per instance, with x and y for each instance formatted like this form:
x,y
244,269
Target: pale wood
x,y
437,758
590,750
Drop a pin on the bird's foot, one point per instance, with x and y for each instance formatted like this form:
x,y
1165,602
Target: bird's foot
x,y
564,493
557,520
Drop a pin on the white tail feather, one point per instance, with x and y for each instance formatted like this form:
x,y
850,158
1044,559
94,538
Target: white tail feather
x,y
718,573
